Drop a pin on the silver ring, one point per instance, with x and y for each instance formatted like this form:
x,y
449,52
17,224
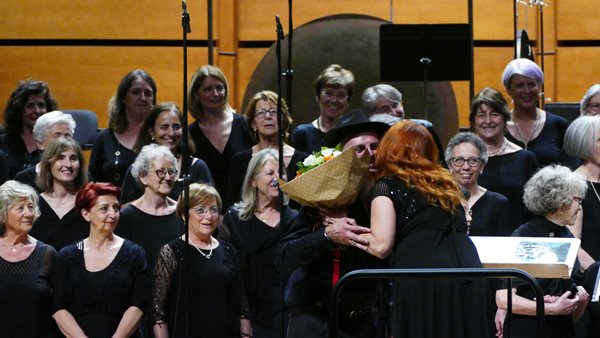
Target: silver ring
x,y
352,242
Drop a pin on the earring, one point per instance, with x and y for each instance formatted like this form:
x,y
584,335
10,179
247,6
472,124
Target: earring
x,y
152,139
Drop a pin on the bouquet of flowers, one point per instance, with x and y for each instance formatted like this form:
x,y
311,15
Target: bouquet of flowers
x,y
329,178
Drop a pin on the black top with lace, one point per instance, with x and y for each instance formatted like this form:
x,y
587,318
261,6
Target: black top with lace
x,y
429,237
98,300
25,295
215,304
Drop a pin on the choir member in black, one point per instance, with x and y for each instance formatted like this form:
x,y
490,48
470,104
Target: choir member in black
x,y
416,217
163,126
3,168
333,90
215,303
590,104
150,220
509,166
318,250
62,173
487,212
30,100
532,128
581,141
47,128
218,131
101,283
554,196
26,267
254,227
261,116
112,152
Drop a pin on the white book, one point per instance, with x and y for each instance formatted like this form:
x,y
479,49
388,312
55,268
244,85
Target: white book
x,y
542,257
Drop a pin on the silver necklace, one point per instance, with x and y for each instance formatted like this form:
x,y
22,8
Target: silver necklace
x,y
500,150
594,188
535,128
202,253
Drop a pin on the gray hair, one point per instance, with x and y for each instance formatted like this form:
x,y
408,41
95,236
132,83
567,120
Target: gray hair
x,y
523,67
148,154
370,95
466,137
587,97
11,192
581,136
551,188
247,206
46,121
385,118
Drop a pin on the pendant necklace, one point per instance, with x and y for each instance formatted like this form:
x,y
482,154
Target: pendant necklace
x,y
535,128
202,253
595,192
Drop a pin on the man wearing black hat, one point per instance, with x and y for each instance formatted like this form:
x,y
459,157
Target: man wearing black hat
x,y
320,252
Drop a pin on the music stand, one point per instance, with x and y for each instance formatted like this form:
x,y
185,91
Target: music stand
x,y
425,52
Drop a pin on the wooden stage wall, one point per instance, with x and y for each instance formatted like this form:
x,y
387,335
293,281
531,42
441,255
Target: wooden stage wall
x,y
83,48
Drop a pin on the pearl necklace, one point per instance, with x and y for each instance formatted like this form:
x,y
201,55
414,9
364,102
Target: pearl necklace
x,y
502,148
202,253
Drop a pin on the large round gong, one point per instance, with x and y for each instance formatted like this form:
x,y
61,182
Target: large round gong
x,y
351,41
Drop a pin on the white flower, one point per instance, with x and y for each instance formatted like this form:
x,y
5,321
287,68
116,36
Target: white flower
x,y
310,160
327,152
336,153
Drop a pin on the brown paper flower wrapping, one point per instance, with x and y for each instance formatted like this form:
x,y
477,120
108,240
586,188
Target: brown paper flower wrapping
x,y
334,183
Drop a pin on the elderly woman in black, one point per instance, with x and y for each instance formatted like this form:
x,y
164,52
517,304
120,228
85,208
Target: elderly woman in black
x,y
29,101
101,282
163,126
254,226
113,152
62,174
487,212
26,267
554,196
216,308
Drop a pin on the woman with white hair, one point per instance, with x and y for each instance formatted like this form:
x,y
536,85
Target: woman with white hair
x,y
26,266
150,220
253,227
590,104
47,128
532,128
554,195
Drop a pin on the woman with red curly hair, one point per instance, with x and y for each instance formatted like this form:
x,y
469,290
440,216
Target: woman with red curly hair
x,y
416,218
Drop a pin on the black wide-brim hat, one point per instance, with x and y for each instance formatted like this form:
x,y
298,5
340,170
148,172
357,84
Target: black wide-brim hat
x,y
352,124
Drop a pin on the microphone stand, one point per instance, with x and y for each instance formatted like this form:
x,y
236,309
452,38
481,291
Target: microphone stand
x,y
183,271
425,61
280,140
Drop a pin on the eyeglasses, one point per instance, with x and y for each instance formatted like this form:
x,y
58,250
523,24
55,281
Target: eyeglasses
x,y
202,211
330,94
578,199
594,106
359,148
261,114
162,173
388,108
460,161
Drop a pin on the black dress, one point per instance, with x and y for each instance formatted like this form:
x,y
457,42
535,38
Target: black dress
x,y
255,242
507,174
16,156
590,232
149,231
239,165
218,163
199,172
556,326
3,168
25,295
547,146
491,216
98,300
59,232
307,138
429,237
109,159
216,302
28,176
